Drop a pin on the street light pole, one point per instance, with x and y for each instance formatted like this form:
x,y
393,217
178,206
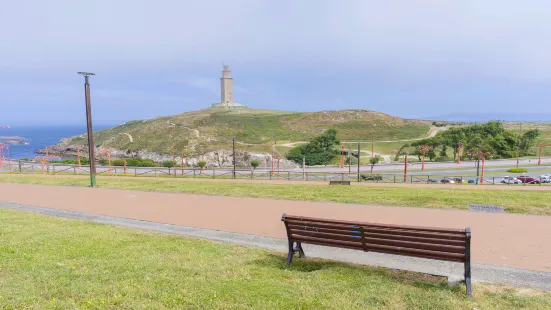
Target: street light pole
x,y
518,145
478,165
358,161
92,158
233,143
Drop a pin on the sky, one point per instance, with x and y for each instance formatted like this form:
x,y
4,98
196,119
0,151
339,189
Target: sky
x,y
406,58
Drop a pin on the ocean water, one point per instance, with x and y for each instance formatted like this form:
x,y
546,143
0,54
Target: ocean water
x,y
40,137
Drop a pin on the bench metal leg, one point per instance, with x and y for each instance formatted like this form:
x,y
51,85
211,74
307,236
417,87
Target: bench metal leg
x,y
300,251
291,252
468,262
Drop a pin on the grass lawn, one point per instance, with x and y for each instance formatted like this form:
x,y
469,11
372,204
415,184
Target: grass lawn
x,y
514,201
54,263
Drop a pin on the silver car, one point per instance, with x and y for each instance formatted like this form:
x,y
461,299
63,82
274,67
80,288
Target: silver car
x,y
510,180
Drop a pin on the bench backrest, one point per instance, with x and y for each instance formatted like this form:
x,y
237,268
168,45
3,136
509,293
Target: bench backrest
x,y
424,242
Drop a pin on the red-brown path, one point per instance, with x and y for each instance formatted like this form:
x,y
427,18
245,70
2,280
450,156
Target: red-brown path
x,y
516,241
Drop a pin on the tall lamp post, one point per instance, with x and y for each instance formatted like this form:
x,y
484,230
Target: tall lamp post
x,y
478,165
518,145
89,128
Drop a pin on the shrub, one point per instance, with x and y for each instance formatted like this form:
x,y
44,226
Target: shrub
x,y
370,177
168,163
202,164
517,170
255,163
443,159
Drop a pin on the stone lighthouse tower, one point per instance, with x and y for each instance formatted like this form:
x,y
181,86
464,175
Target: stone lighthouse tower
x,y
226,91
226,87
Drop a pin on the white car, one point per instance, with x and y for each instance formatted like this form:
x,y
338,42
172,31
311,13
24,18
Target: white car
x,y
510,180
546,178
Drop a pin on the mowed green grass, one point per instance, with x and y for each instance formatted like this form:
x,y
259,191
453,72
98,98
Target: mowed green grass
x,y
54,263
513,200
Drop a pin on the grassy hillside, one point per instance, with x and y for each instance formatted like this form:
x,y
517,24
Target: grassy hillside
x,y
254,130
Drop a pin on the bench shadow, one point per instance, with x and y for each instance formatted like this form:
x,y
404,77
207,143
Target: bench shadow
x,y
306,265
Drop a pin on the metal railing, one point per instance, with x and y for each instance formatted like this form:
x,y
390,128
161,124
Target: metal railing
x,y
26,167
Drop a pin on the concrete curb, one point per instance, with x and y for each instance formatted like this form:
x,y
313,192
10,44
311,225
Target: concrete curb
x,y
454,271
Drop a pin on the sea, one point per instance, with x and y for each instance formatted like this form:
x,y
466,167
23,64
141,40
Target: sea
x,y
40,136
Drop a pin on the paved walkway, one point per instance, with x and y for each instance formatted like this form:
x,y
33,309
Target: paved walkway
x,y
506,240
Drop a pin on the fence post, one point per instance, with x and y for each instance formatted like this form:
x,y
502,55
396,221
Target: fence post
x,y
428,178
411,179
194,173
288,175
135,172
306,176
20,170
394,178
213,173
53,168
252,172
342,177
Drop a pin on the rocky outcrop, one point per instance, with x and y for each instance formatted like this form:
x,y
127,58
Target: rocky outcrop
x,y
218,158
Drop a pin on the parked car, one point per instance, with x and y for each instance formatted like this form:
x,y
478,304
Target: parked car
x,y
458,180
510,180
433,181
546,178
471,181
447,181
528,179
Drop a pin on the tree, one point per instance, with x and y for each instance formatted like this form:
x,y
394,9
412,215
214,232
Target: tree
x,y
318,151
373,161
443,152
202,164
255,163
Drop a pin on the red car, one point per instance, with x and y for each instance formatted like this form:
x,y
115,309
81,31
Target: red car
x,y
528,180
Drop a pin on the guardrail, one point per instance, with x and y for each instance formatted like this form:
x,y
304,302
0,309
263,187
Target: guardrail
x,y
26,167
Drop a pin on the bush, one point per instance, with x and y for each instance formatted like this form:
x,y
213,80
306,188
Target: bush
x,y
255,163
318,151
517,170
371,177
168,163
442,159
202,164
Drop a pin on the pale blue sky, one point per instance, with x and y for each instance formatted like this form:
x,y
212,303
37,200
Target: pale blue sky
x,y
406,58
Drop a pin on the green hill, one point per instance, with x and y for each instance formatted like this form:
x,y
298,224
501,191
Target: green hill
x,y
254,130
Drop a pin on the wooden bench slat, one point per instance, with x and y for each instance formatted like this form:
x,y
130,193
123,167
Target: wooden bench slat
x,y
319,241
310,219
407,229
349,237
414,233
407,251
417,239
458,260
324,225
324,230
416,245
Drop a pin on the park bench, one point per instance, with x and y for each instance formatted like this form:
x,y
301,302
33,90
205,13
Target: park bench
x,y
339,182
433,243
